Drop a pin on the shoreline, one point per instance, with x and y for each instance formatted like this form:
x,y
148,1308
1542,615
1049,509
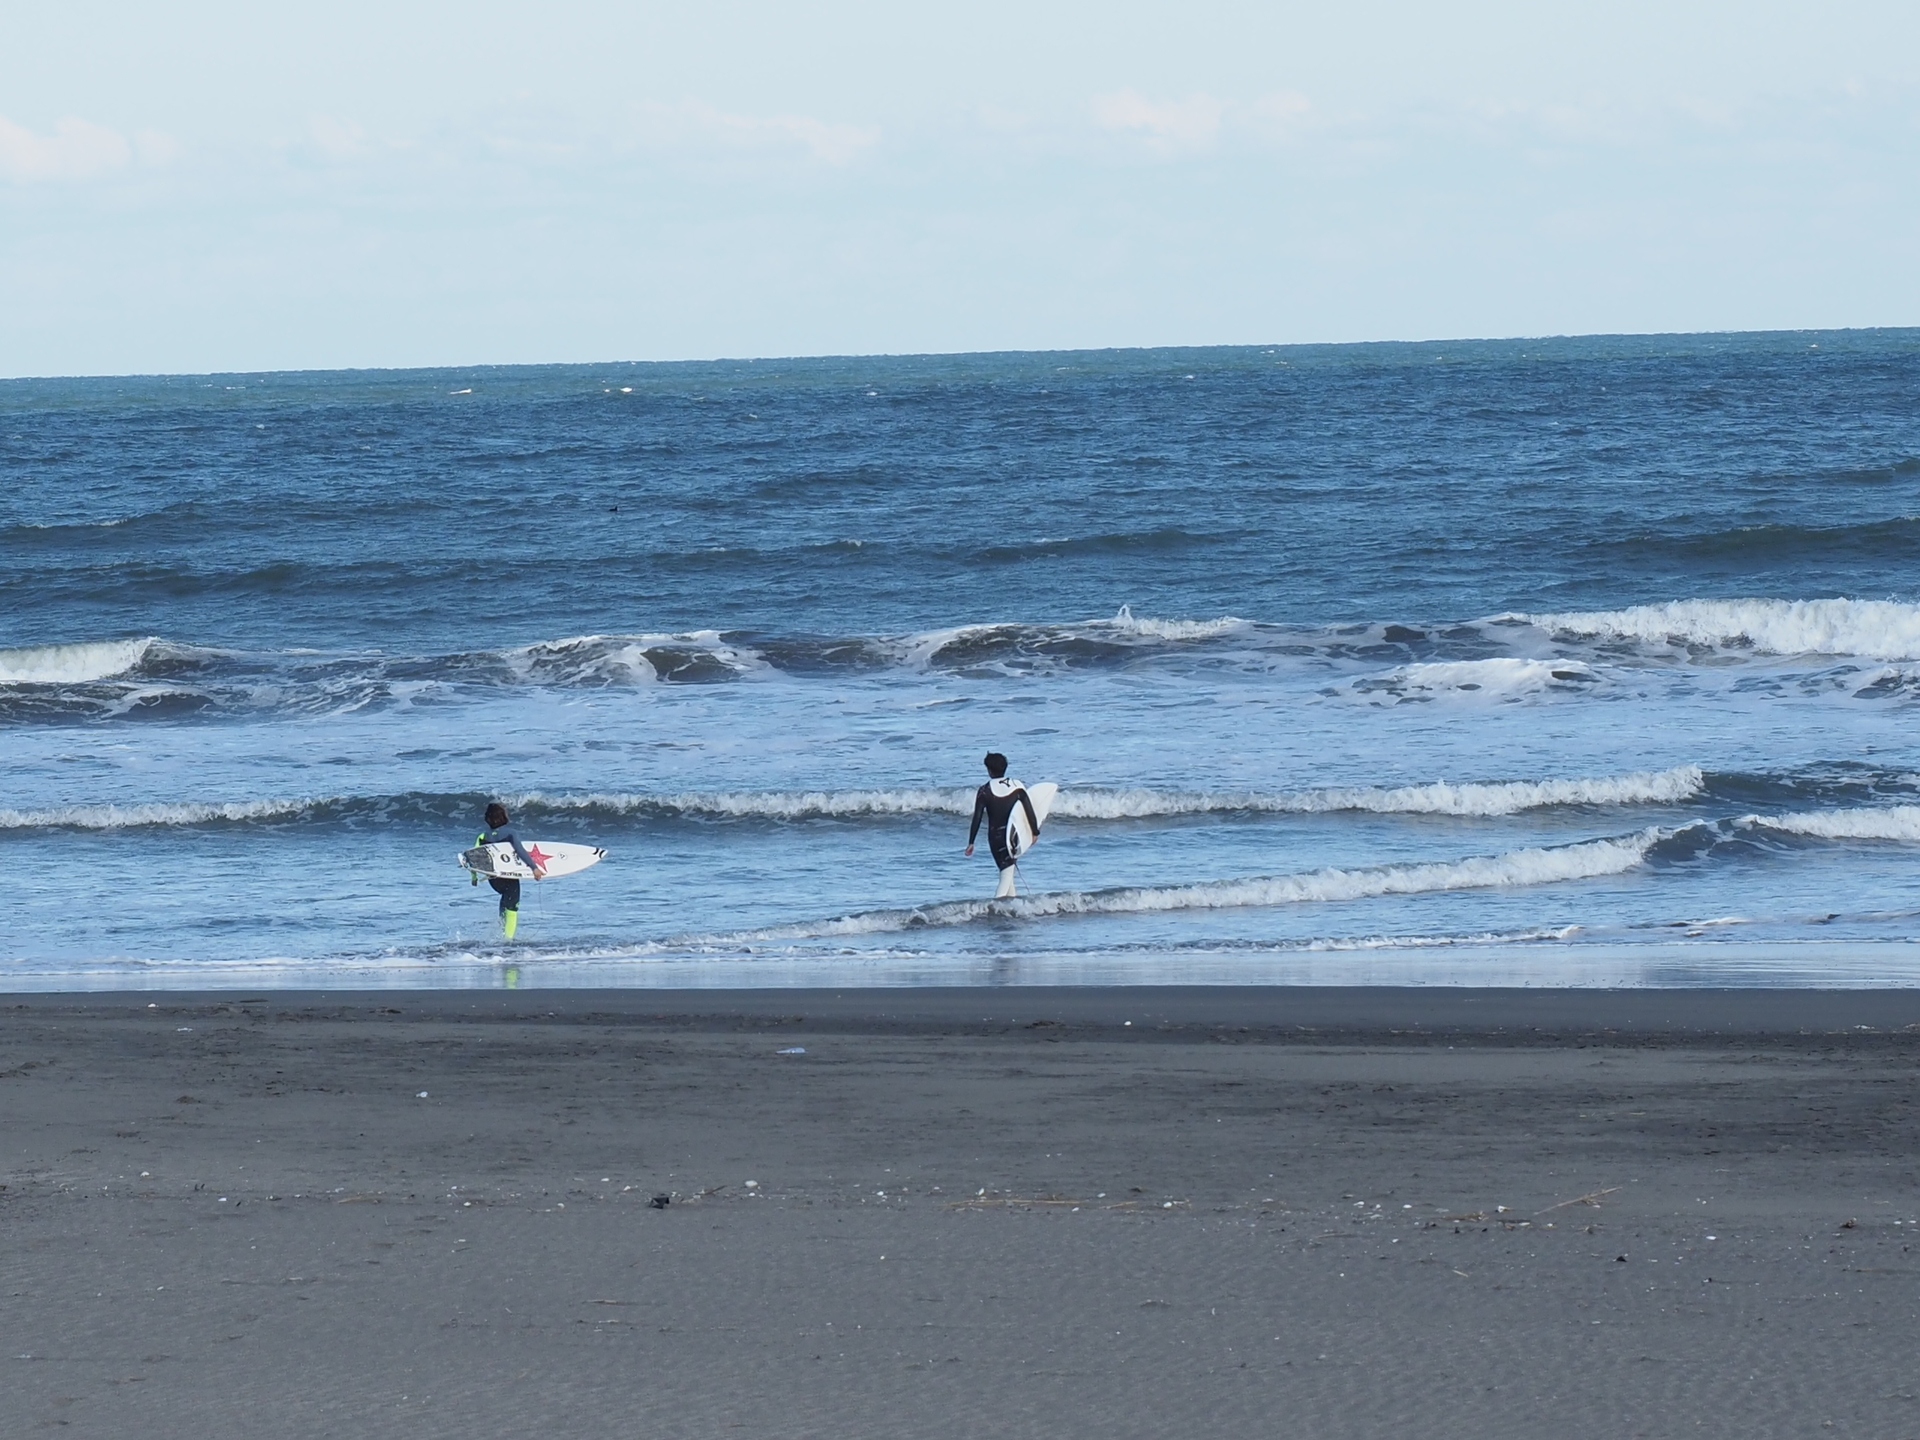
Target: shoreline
x,y
1342,1012
1651,966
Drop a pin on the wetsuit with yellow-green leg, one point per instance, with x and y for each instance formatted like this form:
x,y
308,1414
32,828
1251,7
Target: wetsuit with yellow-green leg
x,y
500,832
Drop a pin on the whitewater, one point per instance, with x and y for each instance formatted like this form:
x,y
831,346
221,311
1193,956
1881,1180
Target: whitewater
x,y
1571,662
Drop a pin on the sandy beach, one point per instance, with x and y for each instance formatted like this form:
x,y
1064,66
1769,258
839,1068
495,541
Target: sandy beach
x,y
1323,1213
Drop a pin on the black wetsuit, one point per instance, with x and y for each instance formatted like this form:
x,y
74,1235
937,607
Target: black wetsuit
x,y
997,809
509,890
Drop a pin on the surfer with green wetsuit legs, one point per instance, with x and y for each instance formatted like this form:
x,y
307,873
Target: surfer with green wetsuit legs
x,y
994,802
500,832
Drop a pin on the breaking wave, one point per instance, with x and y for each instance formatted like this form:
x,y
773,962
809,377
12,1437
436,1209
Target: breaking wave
x,y
77,664
1871,629
1126,621
1890,822
1022,646
1116,803
1509,658
128,817
1584,861
1439,798
1092,803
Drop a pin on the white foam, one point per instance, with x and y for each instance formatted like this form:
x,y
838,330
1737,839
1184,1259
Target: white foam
x,y
1441,942
1102,803
76,664
917,652
763,804
1647,787
623,659
1890,822
1092,803
120,817
1132,624
920,649
1505,678
1873,629
1515,868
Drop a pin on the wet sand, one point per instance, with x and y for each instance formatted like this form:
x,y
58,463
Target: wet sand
x,y
972,1213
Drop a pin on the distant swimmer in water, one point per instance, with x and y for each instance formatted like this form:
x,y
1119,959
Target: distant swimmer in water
x,y
994,803
500,832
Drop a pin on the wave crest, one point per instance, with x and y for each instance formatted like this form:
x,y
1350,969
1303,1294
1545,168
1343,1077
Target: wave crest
x,y
1888,822
80,663
1093,803
127,817
1584,861
1440,798
1872,629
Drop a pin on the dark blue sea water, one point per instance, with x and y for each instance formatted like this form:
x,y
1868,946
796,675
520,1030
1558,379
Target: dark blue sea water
x,y
1558,661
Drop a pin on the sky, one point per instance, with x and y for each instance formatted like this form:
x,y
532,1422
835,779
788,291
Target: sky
x,y
216,187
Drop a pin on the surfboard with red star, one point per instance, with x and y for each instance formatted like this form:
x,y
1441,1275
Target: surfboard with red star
x,y
556,857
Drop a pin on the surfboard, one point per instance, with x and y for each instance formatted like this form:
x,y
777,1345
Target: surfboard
x,y
556,857
1020,836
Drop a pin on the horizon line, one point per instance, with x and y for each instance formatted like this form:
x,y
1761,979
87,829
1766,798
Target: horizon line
x,y
849,356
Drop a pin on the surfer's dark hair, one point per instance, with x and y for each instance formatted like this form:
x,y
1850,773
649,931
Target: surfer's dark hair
x,y
996,764
496,814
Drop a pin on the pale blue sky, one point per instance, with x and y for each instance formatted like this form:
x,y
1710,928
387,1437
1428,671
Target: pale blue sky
x,y
225,186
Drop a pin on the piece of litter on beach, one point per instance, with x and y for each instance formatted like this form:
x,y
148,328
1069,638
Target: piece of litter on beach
x,y
752,1184
184,1030
792,1050
421,1096
660,1202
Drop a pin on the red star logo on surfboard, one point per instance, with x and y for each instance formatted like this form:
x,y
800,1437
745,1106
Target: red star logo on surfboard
x,y
539,858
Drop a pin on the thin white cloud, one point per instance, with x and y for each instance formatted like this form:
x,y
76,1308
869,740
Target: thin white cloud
x,y
1283,106
698,124
334,138
76,150
1167,125
155,147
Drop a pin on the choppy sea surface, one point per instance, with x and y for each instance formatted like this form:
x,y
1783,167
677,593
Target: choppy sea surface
x,y
1579,661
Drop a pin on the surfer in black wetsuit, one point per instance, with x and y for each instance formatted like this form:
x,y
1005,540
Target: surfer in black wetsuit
x,y
499,831
994,803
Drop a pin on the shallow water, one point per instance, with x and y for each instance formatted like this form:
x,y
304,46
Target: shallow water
x,y
1446,663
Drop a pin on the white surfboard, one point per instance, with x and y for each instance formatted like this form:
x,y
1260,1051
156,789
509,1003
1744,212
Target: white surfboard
x,y
555,857
1021,837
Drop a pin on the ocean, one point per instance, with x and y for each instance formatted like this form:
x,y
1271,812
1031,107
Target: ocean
x,y
1558,662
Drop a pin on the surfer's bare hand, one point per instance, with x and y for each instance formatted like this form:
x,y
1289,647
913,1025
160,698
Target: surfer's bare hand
x,y
969,849
539,873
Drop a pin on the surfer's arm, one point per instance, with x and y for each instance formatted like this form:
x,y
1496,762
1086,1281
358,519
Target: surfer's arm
x,y
979,814
539,870
1027,805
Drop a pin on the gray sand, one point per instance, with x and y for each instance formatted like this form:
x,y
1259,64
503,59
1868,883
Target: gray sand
x,y
977,1213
